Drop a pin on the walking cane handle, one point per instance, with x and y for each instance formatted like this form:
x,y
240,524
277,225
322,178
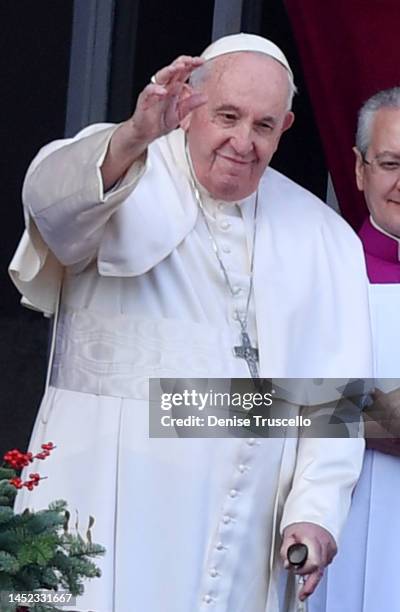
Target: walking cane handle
x,y
297,555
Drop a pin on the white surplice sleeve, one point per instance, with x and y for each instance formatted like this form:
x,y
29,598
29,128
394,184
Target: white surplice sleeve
x,y
326,472
65,211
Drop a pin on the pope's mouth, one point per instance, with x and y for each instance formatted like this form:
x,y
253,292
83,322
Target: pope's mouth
x,y
236,162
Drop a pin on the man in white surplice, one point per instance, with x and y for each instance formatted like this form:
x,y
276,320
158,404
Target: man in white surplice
x,y
125,218
368,551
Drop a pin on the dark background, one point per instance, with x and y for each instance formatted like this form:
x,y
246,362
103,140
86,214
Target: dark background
x,y
36,41
34,61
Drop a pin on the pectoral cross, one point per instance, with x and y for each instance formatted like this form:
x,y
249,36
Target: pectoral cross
x,y
249,353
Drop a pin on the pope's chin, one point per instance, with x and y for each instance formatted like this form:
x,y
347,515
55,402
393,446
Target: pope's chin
x,y
229,189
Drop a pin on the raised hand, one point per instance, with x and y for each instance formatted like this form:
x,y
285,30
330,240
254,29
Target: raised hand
x,y
160,108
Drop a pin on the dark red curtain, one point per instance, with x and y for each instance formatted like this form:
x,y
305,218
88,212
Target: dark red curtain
x,y
349,49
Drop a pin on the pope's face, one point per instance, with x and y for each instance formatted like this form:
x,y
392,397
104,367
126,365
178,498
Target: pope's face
x,y
380,181
233,136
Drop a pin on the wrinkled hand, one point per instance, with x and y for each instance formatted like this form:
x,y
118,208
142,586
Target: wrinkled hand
x,y
321,550
161,106
382,422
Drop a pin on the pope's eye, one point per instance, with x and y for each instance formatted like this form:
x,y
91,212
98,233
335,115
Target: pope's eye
x,y
265,126
228,117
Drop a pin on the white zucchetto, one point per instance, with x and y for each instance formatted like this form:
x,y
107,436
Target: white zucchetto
x,y
235,43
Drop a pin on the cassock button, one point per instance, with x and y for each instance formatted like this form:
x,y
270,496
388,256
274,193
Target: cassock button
x,y
213,572
226,519
233,493
219,546
237,290
226,248
207,599
225,225
242,468
251,441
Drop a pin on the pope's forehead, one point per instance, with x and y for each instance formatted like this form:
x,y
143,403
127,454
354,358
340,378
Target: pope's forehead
x,y
250,62
248,75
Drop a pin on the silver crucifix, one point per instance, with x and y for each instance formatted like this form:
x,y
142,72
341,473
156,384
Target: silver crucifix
x,y
249,353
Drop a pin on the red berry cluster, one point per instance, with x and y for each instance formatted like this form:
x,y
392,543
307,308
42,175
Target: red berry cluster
x,y
47,448
18,460
33,481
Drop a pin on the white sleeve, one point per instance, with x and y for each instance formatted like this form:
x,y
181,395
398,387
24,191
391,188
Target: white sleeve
x,y
65,212
327,470
63,194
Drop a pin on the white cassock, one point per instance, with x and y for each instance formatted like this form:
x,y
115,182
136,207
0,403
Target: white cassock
x,y
363,577
189,524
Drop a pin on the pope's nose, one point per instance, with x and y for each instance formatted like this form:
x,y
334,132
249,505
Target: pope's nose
x,y
241,141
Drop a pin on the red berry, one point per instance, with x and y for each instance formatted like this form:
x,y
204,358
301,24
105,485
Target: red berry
x,y
16,482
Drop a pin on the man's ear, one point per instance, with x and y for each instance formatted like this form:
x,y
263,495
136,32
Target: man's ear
x,y
359,169
288,121
185,93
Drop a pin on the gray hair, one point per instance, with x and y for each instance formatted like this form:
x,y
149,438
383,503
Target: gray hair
x,y
201,74
387,98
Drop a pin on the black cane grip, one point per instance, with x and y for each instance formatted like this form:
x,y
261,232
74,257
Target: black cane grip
x,y
297,555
